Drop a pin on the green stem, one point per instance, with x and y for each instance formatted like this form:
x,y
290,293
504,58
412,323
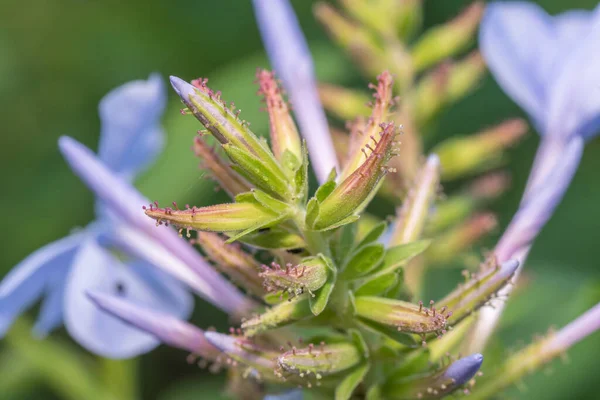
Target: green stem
x,y
120,378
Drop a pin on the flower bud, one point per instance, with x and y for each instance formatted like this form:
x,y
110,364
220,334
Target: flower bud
x,y
416,206
355,39
482,287
230,259
253,156
284,134
227,178
279,315
470,154
345,104
407,317
434,385
231,217
465,76
363,138
352,195
241,350
310,275
448,39
320,360
430,93
462,237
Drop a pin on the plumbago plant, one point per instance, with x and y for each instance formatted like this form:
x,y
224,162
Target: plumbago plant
x,y
331,303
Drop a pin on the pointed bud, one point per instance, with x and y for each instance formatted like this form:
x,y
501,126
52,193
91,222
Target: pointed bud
x,y
448,39
479,289
470,154
434,385
310,275
319,360
362,139
458,208
260,360
407,317
282,314
462,237
230,259
415,209
430,93
352,195
284,134
345,104
379,15
229,217
227,178
242,146
409,17
465,76
355,39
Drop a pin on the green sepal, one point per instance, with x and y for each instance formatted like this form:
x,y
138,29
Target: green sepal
x,y
269,202
290,162
379,285
374,393
301,177
348,220
344,243
267,224
319,301
374,234
258,172
282,314
274,238
350,382
312,211
363,261
360,342
397,256
389,332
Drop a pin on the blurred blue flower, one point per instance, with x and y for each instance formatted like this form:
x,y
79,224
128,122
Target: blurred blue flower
x,y
547,64
61,272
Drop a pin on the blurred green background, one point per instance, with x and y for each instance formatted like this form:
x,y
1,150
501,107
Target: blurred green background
x,y
58,58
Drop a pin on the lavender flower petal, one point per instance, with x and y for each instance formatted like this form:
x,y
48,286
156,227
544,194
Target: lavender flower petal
x,y
131,136
583,326
168,329
291,59
291,395
519,66
26,282
51,313
127,203
96,269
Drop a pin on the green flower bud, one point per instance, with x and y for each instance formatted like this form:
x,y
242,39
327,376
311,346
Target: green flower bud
x,y
448,39
476,292
230,259
464,76
470,154
320,360
284,134
231,217
310,275
406,317
279,315
346,104
353,194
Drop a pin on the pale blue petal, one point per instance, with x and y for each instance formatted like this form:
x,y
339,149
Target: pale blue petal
x,y
463,370
131,136
574,108
167,328
95,268
51,312
27,282
516,40
292,61
126,202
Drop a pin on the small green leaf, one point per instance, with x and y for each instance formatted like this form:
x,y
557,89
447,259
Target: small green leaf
x,y
269,202
312,211
321,297
344,243
364,261
374,393
301,178
389,332
360,342
398,256
274,238
325,190
378,285
373,234
347,220
350,382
